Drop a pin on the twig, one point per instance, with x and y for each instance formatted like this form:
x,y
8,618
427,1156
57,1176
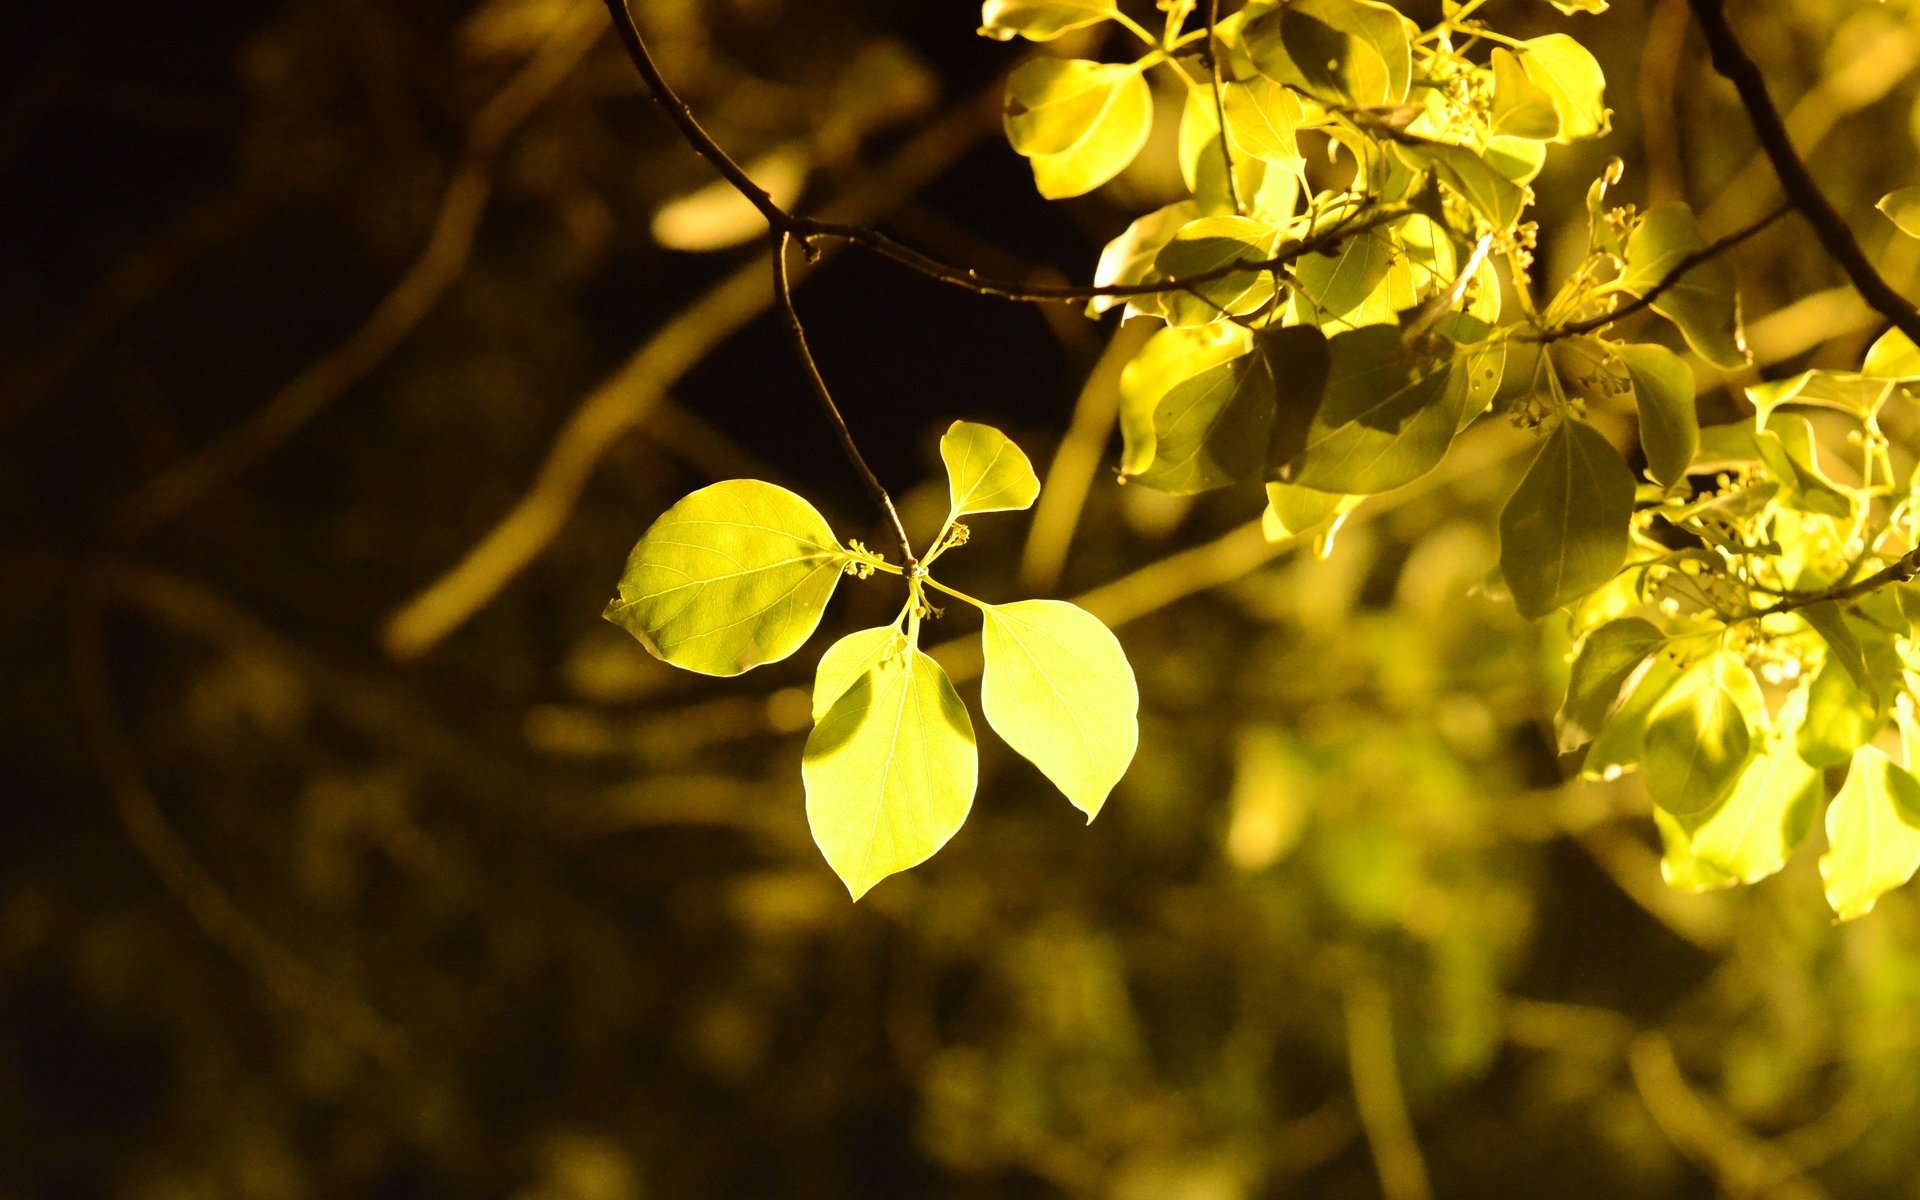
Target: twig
x,y
1742,1164
1647,298
807,229
1378,1096
1220,104
783,295
399,312
1900,570
1731,60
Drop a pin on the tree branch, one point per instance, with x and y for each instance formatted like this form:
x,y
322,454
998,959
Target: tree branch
x,y
1647,298
1731,60
783,295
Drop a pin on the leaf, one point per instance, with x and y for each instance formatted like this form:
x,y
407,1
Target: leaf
x,y
890,770
1608,657
1680,867
1128,259
1563,532
1352,52
1468,173
1383,420
1903,209
1333,285
1768,813
986,472
1697,740
1621,741
1702,304
1521,107
1860,396
717,215
735,575
1213,429
1171,355
1079,122
1669,423
1041,20
1843,645
850,658
1058,689
1292,511
1873,834
1261,119
1841,717
1207,245
1786,448
1892,356
1568,73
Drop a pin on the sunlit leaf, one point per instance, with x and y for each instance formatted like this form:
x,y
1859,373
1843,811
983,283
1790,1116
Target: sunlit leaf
x,y
1261,119
986,472
1331,286
850,658
1128,259
1702,304
890,770
1903,209
1292,510
1214,428
1841,717
1607,658
1478,182
734,575
1041,20
1786,448
1892,356
1697,741
1873,834
1858,395
1354,52
1682,868
1385,418
1621,741
1769,812
1207,245
1521,107
1563,532
1058,689
1171,355
1568,73
1079,122
1669,422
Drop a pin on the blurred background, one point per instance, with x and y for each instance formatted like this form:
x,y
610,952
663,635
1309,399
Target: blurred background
x,y
345,851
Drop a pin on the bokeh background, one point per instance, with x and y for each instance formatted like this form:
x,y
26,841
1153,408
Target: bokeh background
x,y
347,347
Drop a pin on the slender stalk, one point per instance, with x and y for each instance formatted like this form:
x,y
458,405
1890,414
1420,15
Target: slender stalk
x,y
1220,104
1647,298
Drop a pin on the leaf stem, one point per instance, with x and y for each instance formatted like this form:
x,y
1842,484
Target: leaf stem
x,y
957,594
1220,104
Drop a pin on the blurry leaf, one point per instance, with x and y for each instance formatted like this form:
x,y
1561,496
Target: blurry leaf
x,y
890,770
1041,20
1680,866
1292,510
717,216
1702,303
1199,134
1057,688
1521,107
1903,209
1726,446
1856,395
1128,259
1669,423
850,658
1843,645
1568,73
1576,7
1697,740
986,472
734,575
1608,657
1873,834
1384,419
1803,487
1269,801
1080,122
1841,717
1563,531
1170,355
1621,741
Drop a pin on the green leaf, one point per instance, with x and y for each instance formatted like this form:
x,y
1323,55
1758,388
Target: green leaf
x,y
1608,657
1697,740
986,472
1860,396
1892,356
1261,119
1521,107
1210,244
1384,419
1292,511
850,658
1682,869
734,575
1843,644
1787,448
1213,428
1468,173
1333,285
890,770
1669,423
1171,355
1351,52
1702,304
1563,532
1768,813
1621,741
1568,73
1903,209
1840,718
1128,259
1873,834
1079,122
1042,20
1057,688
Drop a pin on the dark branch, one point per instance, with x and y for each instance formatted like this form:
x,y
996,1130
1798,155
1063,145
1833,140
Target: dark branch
x,y
1900,570
1647,298
1731,60
783,295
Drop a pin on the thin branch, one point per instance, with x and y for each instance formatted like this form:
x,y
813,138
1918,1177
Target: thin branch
x,y
1220,103
1378,1096
1745,1166
783,295
1900,570
1647,298
1731,60
807,229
